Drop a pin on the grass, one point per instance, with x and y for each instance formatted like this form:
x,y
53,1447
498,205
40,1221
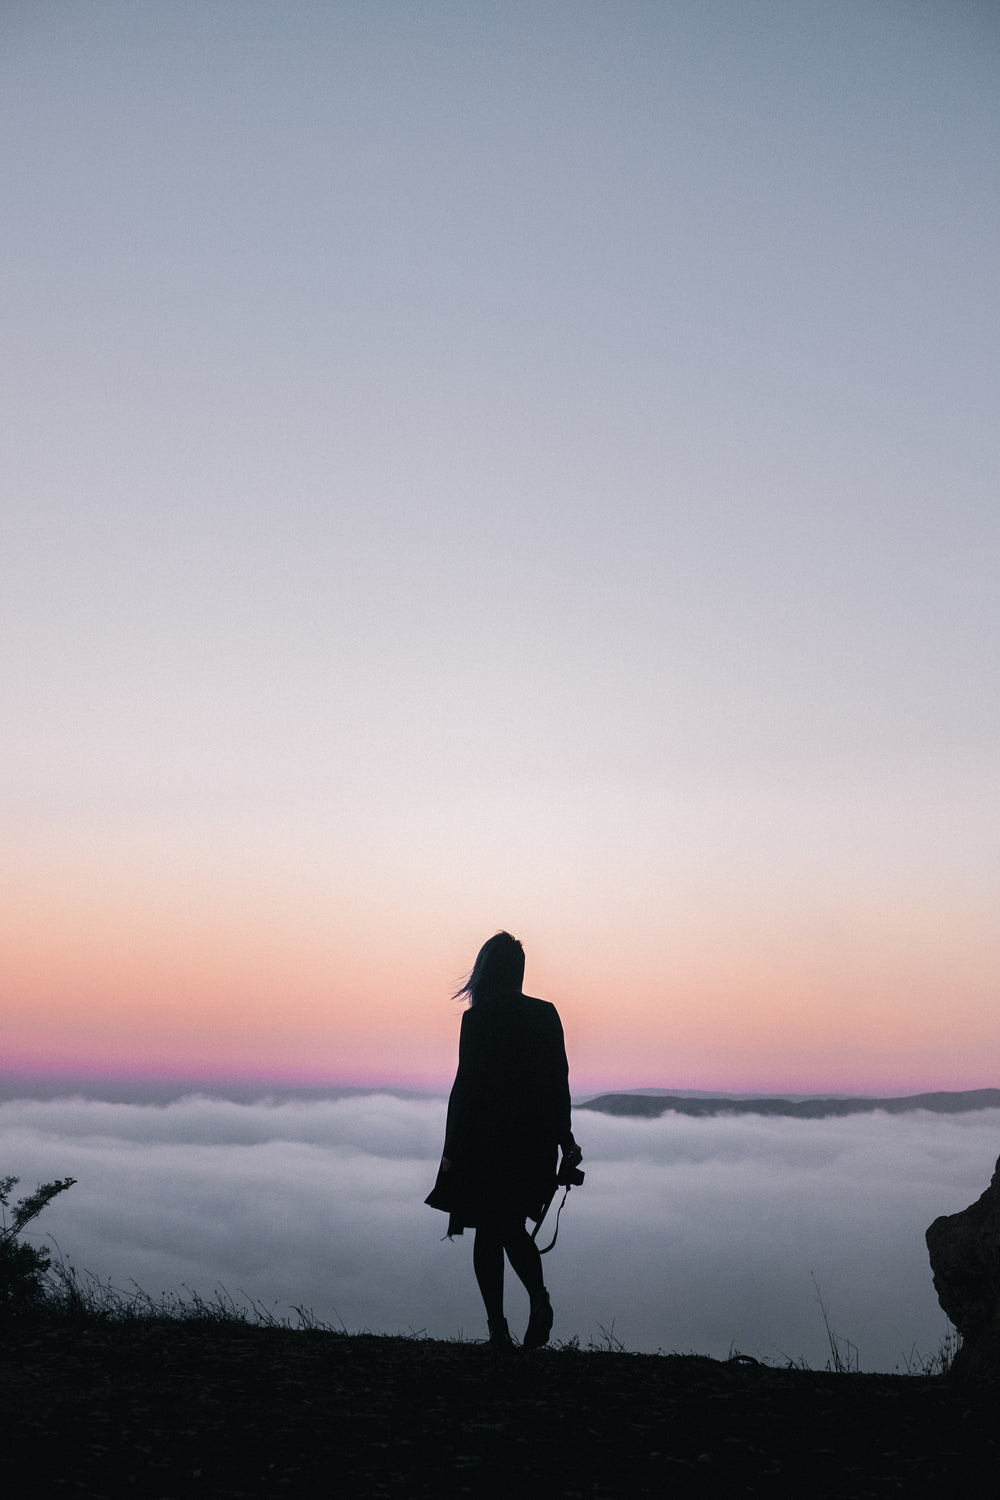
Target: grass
x,y
938,1363
843,1353
84,1298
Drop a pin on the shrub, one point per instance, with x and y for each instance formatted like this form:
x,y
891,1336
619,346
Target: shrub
x,y
23,1266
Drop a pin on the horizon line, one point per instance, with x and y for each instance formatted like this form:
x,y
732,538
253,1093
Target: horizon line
x,y
61,1083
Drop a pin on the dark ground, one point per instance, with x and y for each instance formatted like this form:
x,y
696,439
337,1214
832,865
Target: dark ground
x,y
153,1408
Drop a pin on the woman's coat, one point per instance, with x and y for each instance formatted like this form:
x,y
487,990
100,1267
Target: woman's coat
x,y
508,1113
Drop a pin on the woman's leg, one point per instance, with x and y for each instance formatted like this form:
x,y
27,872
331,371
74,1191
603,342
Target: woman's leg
x,y
525,1257
487,1261
523,1254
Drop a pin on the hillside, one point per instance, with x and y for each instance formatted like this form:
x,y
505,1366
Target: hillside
x,y
158,1408
649,1105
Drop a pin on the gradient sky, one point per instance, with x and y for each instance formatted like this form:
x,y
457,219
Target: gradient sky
x,y
473,466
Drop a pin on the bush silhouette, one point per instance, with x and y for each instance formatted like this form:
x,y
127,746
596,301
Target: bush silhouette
x,y
23,1266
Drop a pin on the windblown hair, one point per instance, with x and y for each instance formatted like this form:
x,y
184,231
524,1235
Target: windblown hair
x,y
498,969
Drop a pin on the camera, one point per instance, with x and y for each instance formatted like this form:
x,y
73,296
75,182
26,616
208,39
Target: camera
x,y
569,1173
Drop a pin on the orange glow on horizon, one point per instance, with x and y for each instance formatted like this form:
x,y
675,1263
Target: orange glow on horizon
x,y
161,980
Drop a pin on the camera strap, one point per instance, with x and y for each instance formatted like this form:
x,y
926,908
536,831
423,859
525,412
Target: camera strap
x,y
545,1210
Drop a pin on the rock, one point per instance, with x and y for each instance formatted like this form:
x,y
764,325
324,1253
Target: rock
x,y
964,1250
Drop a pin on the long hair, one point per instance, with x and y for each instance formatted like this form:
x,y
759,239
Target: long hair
x,y
498,969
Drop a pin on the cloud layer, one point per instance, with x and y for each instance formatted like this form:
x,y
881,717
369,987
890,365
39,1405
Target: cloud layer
x,y
688,1235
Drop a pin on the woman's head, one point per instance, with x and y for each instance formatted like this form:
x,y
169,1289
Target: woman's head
x,y
498,969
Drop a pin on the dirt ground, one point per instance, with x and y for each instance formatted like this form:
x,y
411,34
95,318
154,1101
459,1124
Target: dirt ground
x,y
155,1409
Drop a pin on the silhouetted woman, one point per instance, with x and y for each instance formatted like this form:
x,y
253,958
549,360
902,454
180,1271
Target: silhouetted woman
x,y
509,1111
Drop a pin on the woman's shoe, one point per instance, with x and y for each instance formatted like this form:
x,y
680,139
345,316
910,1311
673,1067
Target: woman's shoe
x,y
500,1339
539,1323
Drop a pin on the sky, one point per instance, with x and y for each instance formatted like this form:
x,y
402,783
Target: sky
x,y
687,1236
525,466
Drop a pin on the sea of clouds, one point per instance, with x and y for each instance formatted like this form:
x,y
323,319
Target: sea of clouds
x,y
689,1235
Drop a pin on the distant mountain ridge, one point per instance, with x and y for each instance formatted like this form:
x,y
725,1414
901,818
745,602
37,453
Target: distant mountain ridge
x,y
649,1106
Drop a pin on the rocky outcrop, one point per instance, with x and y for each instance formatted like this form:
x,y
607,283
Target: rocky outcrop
x,y
964,1249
